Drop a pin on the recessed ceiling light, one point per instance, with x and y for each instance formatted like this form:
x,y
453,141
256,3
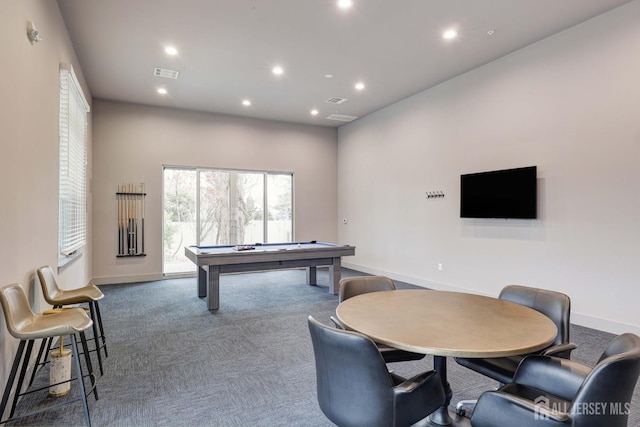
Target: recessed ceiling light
x,y
450,34
246,103
490,32
170,50
345,4
162,91
277,70
359,86
314,112
328,76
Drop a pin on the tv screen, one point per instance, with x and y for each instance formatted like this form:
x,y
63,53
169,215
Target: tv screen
x,y
509,193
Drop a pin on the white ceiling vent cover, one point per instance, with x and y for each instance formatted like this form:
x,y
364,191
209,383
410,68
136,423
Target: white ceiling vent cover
x,y
336,100
342,117
163,72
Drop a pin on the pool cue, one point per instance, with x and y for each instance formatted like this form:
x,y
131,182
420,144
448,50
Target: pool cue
x,y
119,198
124,220
125,199
130,220
128,198
121,221
135,221
134,214
118,207
142,215
132,201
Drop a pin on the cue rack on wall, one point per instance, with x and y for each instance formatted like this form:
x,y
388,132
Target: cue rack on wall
x,y
130,200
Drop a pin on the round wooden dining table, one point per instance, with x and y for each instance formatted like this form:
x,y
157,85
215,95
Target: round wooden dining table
x,y
446,324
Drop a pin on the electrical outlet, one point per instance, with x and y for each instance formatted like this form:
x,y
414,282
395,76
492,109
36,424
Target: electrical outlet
x,y
439,266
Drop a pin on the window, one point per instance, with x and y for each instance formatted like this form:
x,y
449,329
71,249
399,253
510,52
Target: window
x,y
72,226
223,207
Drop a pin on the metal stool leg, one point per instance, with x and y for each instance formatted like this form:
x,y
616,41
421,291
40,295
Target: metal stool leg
x,y
74,348
104,339
96,338
23,373
12,377
87,358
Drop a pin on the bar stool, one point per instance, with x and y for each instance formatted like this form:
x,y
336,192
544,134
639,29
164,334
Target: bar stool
x,y
57,297
28,326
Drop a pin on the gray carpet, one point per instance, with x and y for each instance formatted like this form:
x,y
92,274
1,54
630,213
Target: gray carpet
x,y
172,362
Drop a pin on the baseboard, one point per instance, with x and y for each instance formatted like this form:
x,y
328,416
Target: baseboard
x,y
413,280
601,324
109,280
581,319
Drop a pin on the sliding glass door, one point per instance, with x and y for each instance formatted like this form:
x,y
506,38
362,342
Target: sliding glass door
x,y
179,219
223,207
279,202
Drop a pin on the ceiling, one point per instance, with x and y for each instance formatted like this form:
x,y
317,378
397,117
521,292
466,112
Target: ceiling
x,y
227,49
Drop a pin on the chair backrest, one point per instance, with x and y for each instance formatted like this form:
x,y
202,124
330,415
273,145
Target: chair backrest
x,y
604,398
17,311
352,286
554,305
353,384
48,283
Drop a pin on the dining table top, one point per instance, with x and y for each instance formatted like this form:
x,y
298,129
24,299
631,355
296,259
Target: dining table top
x,y
444,323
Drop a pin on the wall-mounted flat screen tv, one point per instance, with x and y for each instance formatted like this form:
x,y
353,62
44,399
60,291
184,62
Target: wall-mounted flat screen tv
x,y
508,193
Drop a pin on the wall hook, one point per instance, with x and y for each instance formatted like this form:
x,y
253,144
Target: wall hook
x,y
434,194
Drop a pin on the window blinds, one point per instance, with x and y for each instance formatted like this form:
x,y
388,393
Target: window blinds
x,y
73,164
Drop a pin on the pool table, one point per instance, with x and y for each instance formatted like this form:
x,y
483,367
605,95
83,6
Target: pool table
x,y
215,260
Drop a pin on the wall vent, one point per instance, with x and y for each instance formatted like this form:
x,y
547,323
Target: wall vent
x,y
163,72
336,100
341,117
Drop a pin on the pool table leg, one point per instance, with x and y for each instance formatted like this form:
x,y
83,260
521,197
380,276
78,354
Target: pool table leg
x,y
202,281
213,287
334,275
312,277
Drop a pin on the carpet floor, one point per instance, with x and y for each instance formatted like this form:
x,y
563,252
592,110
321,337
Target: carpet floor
x,y
172,362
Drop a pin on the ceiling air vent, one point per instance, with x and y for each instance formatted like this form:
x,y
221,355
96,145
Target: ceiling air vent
x,y
342,117
336,100
163,72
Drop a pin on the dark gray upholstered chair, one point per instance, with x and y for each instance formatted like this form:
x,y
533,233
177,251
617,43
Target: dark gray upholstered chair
x,y
356,389
551,391
555,305
352,286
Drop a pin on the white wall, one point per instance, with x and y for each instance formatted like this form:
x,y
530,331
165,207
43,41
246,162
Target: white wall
x,y
29,88
569,104
133,142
